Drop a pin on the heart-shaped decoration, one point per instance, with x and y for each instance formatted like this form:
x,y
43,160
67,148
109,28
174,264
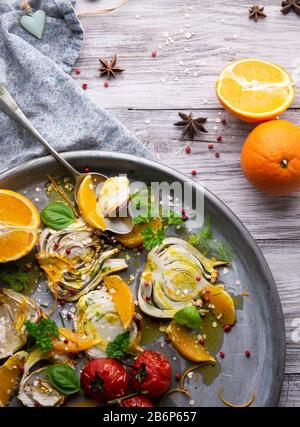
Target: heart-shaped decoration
x,y
34,23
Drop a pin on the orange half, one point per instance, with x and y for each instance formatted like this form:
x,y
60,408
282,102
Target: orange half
x,y
87,203
254,90
122,298
19,222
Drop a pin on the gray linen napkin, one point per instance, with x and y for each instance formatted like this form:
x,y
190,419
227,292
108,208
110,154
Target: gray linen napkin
x,y
35,73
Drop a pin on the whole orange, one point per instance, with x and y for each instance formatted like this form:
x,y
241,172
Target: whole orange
x,y
271,157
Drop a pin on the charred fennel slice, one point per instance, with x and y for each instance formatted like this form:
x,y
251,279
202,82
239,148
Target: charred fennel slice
x,y
175,274
15,309
75,260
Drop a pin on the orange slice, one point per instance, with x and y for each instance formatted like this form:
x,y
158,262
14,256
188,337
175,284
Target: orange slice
x,y
186,343
73,342
19,222
10,373
224,306
255,90
134,239
122,298
87,203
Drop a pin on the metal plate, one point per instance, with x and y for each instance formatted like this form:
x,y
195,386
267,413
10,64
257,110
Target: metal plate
x,y
260,325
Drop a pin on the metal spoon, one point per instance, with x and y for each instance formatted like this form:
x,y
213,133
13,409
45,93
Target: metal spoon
x,y
9,107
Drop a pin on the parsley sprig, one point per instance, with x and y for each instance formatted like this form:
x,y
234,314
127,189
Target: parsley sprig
x,y
117,348
152,237
42,332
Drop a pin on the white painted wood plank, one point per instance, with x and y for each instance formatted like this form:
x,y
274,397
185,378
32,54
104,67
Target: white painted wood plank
x,y
185,71
266,217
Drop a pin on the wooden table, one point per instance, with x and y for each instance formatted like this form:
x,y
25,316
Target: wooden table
x,y
194,40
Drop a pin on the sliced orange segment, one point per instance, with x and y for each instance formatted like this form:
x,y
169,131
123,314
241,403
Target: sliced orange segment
x,y
187,344
87,203
255,90
19,222
122,298
72,342
9,375
224,306
134,238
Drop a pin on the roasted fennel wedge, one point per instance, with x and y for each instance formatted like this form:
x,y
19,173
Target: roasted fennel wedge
x,y
174,276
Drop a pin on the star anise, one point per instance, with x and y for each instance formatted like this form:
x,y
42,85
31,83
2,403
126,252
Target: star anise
x,y
256,12
192,126
289,5
109,68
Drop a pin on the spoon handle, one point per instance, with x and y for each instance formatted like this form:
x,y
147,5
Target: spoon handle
x,y
9,107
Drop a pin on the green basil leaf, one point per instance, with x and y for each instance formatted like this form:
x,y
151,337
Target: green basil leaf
x,y
189,317
57,216
64,378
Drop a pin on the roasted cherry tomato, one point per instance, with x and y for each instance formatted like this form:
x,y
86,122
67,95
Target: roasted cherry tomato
x,y
104,379
151,372
137,402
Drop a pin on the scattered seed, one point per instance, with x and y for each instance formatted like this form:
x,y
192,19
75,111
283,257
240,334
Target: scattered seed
x,y
222,354
194,172
84,86
154,53
77,70
227,328
210,146
219,138
188,149
217,154
247,353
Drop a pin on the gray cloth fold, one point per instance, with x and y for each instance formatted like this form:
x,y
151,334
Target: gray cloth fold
x,y
35,73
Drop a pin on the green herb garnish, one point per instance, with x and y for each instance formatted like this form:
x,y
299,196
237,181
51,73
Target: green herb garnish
x,y
64,378
189,317
152,237
42,332
117,348
208,245
173,218
14,277
20,275
57,216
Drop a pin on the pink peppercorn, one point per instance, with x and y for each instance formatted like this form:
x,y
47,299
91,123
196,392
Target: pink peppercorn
x,y
247,353
185,217
84,86
194,172
188,149
222,354
72,291
224,121
106,84
219,138
177,377
56,245
62,302
217,155
154,53
202,341
198,277
77,70
227,328
68,251
146,283
66,341
148,298
210,146
87,170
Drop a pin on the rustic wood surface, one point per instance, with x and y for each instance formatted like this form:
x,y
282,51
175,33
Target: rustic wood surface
x,y
194,40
